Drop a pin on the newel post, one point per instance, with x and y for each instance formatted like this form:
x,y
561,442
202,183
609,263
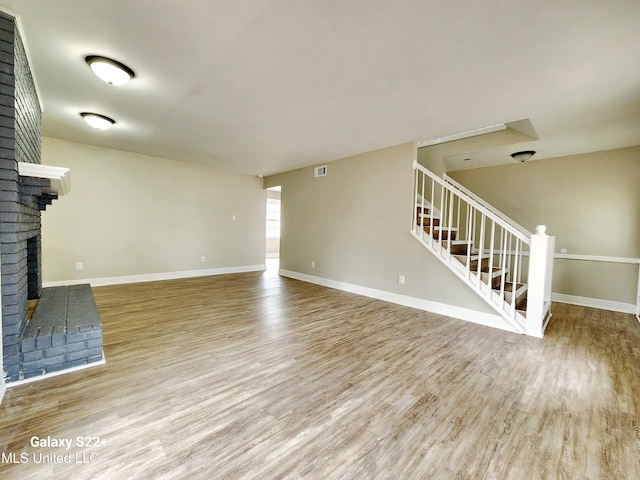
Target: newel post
x,y
540,279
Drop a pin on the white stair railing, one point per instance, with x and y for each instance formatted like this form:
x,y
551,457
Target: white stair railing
x,y
486,249
487,205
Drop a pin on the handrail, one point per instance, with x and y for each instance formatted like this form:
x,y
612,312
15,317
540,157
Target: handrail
x,y
490,207
507,224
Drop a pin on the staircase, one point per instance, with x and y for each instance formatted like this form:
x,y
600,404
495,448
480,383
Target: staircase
x,y
506,265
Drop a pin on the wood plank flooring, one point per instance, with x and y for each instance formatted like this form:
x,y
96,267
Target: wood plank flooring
x,y
253,376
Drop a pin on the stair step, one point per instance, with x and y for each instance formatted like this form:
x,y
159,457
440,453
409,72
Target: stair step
x,y
426,210
441,233
473,260
427,220
456,247
509,287
495,276
520,293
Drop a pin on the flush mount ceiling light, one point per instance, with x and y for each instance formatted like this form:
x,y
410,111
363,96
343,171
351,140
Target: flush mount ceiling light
x,y
101,122
109,70
523,156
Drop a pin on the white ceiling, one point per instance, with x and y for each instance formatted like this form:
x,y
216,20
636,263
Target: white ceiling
x,y
266,86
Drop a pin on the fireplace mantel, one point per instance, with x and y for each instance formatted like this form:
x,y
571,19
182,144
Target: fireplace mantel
x,y
59,176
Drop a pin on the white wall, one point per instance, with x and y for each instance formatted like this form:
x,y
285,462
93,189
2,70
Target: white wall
x,y
130,214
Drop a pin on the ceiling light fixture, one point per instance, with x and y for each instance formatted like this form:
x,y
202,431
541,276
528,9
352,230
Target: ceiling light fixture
x,y
109,70
523,156
101,122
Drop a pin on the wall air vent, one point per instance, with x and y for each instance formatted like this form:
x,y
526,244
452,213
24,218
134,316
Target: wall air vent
x,y
320,171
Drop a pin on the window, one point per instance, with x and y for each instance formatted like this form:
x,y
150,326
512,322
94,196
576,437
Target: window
x,y
273,218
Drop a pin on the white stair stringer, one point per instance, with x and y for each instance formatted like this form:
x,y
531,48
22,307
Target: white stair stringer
x,y
505,310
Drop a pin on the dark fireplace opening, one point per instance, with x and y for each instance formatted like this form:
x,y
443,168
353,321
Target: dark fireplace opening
x,y
34,285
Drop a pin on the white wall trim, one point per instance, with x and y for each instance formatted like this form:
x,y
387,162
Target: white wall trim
x,y
594,303
55,374
597,258
585,258
481,318
154,277
59,176
461,135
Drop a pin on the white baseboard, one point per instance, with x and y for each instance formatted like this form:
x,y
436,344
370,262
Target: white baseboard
x,y
3,388
482,318
153,277
17,383
594,303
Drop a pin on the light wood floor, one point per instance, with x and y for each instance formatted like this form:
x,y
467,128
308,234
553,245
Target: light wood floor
x,y
259,377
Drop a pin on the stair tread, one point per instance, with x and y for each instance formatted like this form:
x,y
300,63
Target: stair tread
x,y
519,298
473,256
440,227
508,287
494,270
471,259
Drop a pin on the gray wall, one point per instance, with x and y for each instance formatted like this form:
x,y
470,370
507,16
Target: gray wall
x,y
130,214
27,108
19,203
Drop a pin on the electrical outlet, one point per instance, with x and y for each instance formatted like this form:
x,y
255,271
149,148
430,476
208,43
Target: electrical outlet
x,y
233,218
401,279
203,259
78,265
313,264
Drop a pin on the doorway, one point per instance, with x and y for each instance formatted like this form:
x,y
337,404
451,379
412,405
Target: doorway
x,y
272,230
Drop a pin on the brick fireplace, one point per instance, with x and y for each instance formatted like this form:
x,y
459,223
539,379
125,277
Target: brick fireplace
x,y
65,330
